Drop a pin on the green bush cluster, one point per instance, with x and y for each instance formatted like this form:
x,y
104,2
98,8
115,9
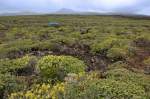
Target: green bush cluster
x,y
117,53
127,76
103,46
85,87
57,67
11,65
147,65
20,46
102,89
9,84
143,36
143,40
2,27
12,48
114,48
10,80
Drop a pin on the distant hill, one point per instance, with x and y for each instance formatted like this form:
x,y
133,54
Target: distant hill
x,y
66,11
19,13
73,12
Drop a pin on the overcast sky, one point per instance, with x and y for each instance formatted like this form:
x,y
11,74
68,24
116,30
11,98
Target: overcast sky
x,y
121,6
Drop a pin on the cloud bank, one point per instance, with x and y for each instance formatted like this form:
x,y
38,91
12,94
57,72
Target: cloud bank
x,y
120,6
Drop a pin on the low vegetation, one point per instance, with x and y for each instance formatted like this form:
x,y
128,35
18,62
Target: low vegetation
x,y
86,57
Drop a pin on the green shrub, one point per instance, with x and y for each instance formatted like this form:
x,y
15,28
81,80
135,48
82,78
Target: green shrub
x,y
90,86
117,65
103,46
147,65
13,48
2,27
45,45
143,36
11,65
147,61
143,40
128,76
103,89
18,33
117,53
10,84
25,46
114,48
85,87
56,67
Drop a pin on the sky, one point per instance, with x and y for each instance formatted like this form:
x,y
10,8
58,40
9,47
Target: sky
x,y
117,6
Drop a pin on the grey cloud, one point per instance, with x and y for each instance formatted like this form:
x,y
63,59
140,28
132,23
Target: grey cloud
x,y
95,5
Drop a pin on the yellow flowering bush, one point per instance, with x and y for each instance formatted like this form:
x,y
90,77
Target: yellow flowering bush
x,y
44,91
37,92
57,67
57,91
